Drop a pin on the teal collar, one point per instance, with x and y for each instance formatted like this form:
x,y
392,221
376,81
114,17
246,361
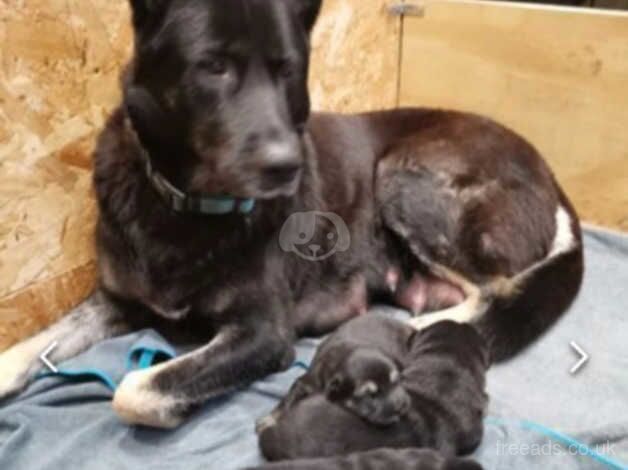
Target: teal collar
x,y
181,202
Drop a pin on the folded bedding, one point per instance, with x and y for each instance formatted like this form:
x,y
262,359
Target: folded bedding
x,y
541,416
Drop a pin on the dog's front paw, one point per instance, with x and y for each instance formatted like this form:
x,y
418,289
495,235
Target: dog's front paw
x,y
15,371
138,401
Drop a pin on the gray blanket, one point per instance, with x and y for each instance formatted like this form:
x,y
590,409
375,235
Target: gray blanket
x,y
540,417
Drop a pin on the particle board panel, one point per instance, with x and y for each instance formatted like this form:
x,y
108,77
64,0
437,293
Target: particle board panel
x,y
558,76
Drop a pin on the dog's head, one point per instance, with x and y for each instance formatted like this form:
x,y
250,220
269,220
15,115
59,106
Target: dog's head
x,y
369,384
316,427
218,92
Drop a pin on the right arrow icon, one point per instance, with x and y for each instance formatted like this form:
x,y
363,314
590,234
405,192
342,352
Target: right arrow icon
x,y
584,357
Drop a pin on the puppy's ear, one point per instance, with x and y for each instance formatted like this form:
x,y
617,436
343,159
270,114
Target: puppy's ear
x,y
308,11
143,10
338,388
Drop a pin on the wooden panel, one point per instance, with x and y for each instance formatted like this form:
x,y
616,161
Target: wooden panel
x,y
558,76
27,311
59,67
355,56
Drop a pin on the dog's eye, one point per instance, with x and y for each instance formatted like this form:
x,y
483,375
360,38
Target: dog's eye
x,y
215,65
285,68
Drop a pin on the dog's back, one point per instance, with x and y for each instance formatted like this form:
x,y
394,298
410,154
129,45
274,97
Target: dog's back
x,y
445,377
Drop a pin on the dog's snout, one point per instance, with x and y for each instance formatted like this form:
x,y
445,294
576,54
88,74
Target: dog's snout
x,y
281,153
280,162
283,173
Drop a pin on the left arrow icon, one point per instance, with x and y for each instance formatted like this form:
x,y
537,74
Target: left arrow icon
x,y
44,357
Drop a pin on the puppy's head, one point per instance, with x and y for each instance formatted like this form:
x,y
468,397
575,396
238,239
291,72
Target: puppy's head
x,y
316,427
369,384
218,92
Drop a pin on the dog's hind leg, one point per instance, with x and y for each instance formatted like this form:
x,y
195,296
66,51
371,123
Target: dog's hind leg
x,y
473,306
93,320
517,248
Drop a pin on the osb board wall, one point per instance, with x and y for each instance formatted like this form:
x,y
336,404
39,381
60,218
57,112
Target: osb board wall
x,y
59,67
557,76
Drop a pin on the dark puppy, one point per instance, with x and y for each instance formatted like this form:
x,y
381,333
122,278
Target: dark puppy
x,y
360,367
227,210
368,383
437,402
380,459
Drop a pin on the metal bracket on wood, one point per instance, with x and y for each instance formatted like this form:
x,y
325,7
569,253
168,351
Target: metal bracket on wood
x,y
406,9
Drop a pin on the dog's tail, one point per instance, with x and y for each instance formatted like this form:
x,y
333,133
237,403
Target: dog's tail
x,y
521,308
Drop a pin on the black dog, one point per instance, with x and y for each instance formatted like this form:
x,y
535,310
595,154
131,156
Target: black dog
x,y
380,459
212,153
435,400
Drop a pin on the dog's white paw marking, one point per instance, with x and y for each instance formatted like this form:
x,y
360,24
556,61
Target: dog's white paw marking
x,y
15,365
137,402
425,321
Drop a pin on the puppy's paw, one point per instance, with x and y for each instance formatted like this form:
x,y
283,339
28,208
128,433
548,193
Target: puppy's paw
x,y
137,401
267,422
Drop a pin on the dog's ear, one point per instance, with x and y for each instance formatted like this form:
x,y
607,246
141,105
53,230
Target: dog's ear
x,y
338,388
149,119
143,10
308,11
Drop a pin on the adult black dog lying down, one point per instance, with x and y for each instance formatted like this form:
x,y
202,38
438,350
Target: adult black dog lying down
x,y
213,151
377,382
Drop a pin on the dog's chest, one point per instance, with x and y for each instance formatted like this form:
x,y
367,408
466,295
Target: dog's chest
x,y
169,287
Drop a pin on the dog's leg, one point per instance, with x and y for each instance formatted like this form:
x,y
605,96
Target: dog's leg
x,y
466,312
323,311
474,305
163,395
93,320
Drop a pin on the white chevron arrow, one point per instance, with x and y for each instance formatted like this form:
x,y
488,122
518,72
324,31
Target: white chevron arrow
x,y
584,357
44,357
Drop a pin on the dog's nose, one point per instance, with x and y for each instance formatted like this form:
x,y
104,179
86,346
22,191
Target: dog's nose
x,y
281,162
283,173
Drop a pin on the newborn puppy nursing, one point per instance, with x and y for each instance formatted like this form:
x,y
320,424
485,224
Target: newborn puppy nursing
x,y
369,384
378,383
360,368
